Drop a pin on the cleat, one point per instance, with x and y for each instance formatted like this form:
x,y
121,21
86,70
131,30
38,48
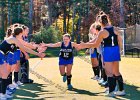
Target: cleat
x,y
70,86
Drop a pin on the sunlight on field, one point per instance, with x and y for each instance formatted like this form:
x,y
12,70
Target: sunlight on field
x,y
48,84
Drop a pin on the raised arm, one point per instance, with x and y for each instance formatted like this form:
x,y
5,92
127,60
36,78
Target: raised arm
x,y
58,44
22,47
95,44
27,44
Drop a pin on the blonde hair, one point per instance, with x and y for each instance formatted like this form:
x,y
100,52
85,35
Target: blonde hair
x,y
67,35
92,26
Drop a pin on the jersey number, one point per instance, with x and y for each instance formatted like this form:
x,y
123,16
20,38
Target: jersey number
x,y
112,40
66,55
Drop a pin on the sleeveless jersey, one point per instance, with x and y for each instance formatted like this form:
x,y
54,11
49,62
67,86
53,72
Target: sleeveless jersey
x,y
112,39
66,52
6,47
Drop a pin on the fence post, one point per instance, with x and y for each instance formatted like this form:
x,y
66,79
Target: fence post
x,y
124,40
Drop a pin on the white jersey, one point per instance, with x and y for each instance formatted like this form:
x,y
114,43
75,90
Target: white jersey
x,y
91,37
99,49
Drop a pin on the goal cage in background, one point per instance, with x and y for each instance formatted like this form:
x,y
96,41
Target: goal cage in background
x,y
131,41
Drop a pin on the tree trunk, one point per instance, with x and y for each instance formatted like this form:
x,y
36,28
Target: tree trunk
x,y
122,23
87,13
78,30
19,10
68,17
64,18
49,20
30,18
9,15
2,18
73,16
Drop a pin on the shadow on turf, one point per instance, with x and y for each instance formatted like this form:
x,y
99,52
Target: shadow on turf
x,y
33,91
84,92
132,93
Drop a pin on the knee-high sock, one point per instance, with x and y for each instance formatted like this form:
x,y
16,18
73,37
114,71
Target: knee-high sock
x,y
4,85
104,76
119,79
9,78
96,70
111,84
69,79
15,76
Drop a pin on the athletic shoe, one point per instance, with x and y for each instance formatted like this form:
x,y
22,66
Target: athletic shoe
x,y
111,94
16,85
100,81
95,78
120,93
9,96
64,78
19,83
5,96
70,86
107,90
10,90
104,84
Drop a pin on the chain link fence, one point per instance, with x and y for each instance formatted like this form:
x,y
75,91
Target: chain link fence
x,y
132,41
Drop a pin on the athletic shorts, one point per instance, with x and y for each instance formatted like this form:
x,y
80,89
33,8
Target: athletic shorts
x,y
111,54
2,58
93,54
63,61
10,58
17,55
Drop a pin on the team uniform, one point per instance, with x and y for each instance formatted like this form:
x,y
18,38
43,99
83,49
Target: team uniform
x,y
92,51
111,50
6,55
94,54
17,54
66,54
111,53
24,66
66,57
103,78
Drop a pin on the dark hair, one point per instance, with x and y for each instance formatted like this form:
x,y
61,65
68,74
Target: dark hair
x,y
17,31
101,13
98,27
24,27
104,19
16,25
9,32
